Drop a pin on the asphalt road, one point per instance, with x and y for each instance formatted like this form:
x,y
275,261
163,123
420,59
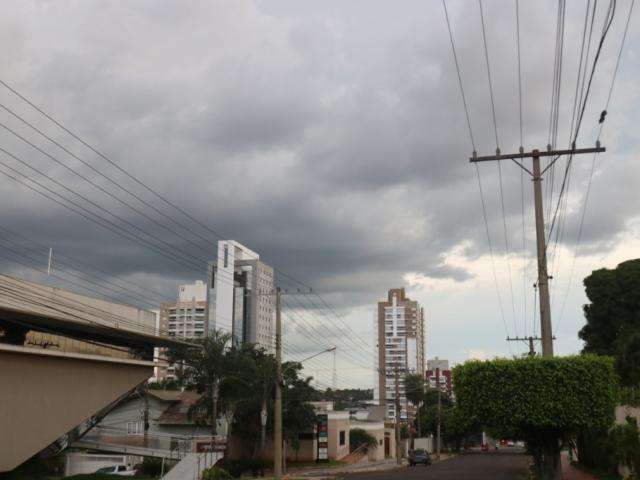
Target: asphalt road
x,y
470,466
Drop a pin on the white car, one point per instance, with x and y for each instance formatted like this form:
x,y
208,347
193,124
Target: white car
x,y
122,470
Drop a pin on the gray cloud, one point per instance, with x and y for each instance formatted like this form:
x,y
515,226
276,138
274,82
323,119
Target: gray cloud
x,y
333,144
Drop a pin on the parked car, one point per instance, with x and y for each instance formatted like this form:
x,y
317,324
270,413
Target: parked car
x,y
419,456
122,470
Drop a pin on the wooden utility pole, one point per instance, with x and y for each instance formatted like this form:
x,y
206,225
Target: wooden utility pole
x,y
439,426
277,434
536,176
397,407
541,247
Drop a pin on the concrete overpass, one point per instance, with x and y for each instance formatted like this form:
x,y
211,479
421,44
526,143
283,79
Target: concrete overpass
x,y
65,361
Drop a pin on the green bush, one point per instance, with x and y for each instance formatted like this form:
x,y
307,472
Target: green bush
x,y
542,400
216,473
151,467
359,437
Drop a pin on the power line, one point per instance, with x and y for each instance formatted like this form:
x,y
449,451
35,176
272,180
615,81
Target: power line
x,y
455,58
495,129
127,284
484,210
607,25
593,162
486,57
129,192
122,170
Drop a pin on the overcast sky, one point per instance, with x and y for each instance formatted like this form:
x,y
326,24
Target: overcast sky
x,y
330,137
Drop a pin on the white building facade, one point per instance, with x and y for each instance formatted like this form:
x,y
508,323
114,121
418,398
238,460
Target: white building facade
x,y
241,299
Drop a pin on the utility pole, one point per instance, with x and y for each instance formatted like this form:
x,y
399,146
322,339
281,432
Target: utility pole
x,y
397,405
439,412
277,435
536,176
541,247
530,340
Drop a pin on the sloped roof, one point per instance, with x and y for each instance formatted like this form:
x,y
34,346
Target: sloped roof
x,y
178,412
166,395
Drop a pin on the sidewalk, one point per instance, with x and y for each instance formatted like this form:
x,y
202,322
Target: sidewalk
x,y
362,467
569,472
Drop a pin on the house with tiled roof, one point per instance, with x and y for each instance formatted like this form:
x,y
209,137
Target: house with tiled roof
x,y
173,417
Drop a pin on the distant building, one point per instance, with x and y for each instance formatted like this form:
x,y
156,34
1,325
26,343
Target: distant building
x,y
240,291
400,339
438,375
183,319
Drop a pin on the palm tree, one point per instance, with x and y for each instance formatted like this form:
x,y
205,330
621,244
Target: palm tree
x,y
204,369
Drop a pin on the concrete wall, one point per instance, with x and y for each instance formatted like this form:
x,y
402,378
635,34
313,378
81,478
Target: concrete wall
x,y
624,411
376,429
338,422
424,443
46,394
390,441
77,463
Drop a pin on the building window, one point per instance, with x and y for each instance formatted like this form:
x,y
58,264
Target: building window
x,y
135,428
226,256
342,437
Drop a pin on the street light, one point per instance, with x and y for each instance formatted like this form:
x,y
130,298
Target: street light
x,y
326,350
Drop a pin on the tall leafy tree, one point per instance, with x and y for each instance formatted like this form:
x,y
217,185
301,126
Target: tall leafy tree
x,y
414,388
237,385
613,317
297,414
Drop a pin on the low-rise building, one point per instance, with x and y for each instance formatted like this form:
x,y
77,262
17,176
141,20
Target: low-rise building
x,y
171,422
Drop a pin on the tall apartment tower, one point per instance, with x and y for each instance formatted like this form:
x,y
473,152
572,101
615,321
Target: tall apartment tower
x,y
184,318
240,295
400,337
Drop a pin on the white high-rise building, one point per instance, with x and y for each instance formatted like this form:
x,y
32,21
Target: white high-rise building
x,y
184,318
240,295
400,338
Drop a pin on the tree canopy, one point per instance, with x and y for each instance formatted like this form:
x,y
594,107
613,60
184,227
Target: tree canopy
x,y
541,400
613,317
238,382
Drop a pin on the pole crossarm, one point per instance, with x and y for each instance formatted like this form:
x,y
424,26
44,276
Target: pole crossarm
x,y
536,153
543,277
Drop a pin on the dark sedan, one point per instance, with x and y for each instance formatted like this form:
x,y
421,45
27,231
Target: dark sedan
x,y
419,456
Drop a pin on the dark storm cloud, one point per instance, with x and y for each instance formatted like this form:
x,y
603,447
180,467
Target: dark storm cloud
x,y
336,150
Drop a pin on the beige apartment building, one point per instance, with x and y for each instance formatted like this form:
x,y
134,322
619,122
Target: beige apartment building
x,y
184,319
400,337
